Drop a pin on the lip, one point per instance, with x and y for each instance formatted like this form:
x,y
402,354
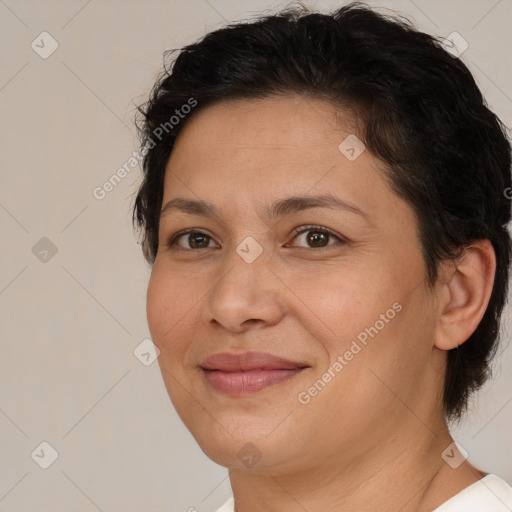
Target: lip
x,y
247,361
249,372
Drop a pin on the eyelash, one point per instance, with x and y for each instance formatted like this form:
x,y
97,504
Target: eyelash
x,y
296,232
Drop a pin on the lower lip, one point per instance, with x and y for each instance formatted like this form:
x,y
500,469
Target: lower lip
x,y
246,382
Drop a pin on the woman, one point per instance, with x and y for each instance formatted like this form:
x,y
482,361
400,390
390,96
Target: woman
x,y
325,213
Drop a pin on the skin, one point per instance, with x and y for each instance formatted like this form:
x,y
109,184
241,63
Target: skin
x,y
372,438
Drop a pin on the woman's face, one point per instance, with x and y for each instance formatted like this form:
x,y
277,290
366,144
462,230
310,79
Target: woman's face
x,y
338,291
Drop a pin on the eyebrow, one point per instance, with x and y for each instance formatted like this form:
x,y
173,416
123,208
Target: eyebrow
x,y
280,208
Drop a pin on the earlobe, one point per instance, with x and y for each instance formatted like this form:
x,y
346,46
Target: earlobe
x,y
466,295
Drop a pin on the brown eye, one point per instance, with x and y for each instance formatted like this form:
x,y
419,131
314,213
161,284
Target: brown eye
x,y
193,240
198,240
316,237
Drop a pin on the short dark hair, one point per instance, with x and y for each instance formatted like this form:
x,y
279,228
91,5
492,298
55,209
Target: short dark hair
x,y
447,154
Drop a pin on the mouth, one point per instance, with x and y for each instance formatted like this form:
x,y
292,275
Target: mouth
x,y
246,373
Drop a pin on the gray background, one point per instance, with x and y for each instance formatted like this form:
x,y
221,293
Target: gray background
x,y
70,321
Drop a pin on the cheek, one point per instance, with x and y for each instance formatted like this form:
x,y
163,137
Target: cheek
x,y
336,303
367,317
157,302
169,304
394,363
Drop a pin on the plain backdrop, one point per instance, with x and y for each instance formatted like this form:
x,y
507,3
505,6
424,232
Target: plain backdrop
x,y
73,279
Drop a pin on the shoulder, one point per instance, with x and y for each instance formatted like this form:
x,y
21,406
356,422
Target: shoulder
x,y
491,494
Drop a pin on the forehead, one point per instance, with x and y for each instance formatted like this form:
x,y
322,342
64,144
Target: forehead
x,y
244,151
278,123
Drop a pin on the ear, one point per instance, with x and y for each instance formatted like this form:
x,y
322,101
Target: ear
x,y
465,290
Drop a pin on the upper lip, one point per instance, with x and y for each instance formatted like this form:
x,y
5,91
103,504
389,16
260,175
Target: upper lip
x,y
233,362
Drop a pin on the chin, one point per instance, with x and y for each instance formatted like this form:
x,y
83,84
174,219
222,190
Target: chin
x,y
240,446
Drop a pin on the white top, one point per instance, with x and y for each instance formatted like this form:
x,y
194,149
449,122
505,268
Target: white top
x,y
490,494
229,506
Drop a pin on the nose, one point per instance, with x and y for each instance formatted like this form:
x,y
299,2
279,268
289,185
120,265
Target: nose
x,y
244,296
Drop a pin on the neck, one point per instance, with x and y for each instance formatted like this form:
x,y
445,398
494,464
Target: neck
x,y
405,473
